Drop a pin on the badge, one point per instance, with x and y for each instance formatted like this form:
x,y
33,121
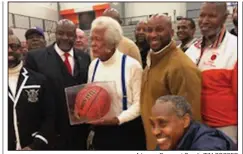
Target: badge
x,y
213,57
32,95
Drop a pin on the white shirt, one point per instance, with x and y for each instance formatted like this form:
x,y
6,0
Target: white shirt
x,y
110,70
70,57
13,76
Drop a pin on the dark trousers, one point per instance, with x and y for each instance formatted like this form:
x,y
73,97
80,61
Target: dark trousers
x,y
128,136
74,139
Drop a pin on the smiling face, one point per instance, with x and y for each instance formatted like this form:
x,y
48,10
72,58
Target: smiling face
x,y
65,35
211,19
140,32
167,127
14,54
185,30
159,32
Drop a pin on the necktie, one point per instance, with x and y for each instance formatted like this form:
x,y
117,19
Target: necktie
x,y
67,63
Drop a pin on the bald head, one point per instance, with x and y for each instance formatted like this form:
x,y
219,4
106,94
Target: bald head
x,y
221,7
79,31
65,22
113,13
161,19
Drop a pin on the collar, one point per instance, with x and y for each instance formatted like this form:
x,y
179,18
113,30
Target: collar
x,y
188,44
112,59
154,57
61,53
16,69
186,140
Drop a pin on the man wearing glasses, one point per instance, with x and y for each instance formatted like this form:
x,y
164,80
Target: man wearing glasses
x,y
31,111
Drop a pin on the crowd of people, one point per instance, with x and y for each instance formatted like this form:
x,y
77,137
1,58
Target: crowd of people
x,y
169,96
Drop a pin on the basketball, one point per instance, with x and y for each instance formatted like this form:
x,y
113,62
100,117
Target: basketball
x,y
92,102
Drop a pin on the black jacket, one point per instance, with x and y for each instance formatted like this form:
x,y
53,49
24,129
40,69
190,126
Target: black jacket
x,y
33,106
49,63
201,137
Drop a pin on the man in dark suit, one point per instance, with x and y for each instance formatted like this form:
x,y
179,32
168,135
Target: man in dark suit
x,y
65,66
31,109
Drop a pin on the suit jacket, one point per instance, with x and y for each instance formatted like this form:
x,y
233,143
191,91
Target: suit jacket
x,y
33,107
48,62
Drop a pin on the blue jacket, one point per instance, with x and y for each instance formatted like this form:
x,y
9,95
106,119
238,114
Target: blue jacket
x,y
201,137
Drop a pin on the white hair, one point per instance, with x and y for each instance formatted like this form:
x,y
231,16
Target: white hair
x,y
113,33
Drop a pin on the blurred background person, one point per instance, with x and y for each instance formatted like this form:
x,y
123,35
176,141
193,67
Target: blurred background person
x,y
35,38
186,28
81,41
141,42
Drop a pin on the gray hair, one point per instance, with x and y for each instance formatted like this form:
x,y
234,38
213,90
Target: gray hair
x,y
179,104
113,33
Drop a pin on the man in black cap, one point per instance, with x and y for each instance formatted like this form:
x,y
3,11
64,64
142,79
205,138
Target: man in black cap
x,y
35,38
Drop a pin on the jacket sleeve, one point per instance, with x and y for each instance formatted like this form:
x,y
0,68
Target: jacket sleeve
x,y
187,82
46,132
235,80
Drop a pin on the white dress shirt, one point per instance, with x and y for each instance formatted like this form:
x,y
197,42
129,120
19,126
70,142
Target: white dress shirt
x,y
61,54
110,70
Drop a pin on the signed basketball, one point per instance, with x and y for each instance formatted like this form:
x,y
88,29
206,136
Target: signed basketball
x,y
92,102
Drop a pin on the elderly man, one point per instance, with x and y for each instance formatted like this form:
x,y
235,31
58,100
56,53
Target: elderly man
x,y
35,38
216,56
186,28
234,31
126,45
31,111
168,72
125,131
175,129
141,42
65,66
81,41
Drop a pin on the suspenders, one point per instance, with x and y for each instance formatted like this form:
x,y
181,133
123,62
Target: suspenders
x,y
124,91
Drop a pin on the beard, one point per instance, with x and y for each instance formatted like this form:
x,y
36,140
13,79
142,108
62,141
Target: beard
x,y
235,22
15,61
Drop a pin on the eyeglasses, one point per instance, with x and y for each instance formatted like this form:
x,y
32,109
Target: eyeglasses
x,y
14,46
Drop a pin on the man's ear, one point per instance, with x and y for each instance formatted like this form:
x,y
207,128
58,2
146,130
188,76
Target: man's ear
x,y
186,120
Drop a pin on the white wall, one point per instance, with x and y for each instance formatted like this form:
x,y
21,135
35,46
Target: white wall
x,y
80,6
140,9
39,10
